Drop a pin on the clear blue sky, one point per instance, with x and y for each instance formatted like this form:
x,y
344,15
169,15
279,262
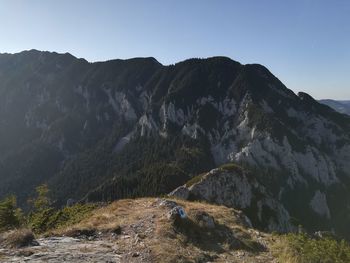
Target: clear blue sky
x,y
305,43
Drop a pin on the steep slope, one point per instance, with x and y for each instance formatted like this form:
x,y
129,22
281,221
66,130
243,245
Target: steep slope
x,y
342,106
108,130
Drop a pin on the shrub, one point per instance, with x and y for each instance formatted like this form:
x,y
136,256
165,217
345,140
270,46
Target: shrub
x,y
301,248
73,214
45,218
49,219
41,221
232,167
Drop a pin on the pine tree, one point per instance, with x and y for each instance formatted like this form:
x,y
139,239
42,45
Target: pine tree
x,y
9,213
42,200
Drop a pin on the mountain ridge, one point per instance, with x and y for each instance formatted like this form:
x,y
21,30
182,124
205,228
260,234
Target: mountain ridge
x,y
342,106
129,128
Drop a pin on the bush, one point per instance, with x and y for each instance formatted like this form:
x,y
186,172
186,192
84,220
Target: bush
x,y
45,218
301,248
195,180
41,221
232,167
72,215
48,219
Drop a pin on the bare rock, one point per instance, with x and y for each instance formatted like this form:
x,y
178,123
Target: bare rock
x,y
181,192
204,219
176,213
235,187
167,203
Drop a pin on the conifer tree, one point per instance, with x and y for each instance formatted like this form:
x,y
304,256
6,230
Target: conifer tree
x,y
9,213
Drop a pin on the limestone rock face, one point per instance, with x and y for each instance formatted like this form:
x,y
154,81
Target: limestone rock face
x,y
236,188
181,192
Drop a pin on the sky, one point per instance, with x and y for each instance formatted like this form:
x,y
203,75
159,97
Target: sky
x,y
305,43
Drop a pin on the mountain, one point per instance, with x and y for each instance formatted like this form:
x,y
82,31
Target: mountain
x,y
129,128
342,106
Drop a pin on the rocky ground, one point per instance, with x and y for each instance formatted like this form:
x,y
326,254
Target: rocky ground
x,y
148,230
64,249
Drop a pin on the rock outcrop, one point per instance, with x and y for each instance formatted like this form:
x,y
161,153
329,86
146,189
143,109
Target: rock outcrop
x,y
236,188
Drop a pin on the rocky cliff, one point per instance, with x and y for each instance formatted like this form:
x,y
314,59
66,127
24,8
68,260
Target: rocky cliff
x,y
234,187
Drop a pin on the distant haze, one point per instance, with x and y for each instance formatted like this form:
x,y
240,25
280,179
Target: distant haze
x,y
342,106
305,43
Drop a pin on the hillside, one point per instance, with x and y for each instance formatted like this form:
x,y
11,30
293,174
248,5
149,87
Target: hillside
x,y
148,230
141,230
131,128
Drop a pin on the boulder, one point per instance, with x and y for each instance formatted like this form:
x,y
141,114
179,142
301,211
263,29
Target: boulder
x,y
203,219
177,213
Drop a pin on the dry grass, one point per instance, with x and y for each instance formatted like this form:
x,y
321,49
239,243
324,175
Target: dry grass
x,y
109,218
192,240
168,241
17,238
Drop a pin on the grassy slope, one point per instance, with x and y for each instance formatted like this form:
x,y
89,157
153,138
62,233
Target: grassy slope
x,y
142,226
146,220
